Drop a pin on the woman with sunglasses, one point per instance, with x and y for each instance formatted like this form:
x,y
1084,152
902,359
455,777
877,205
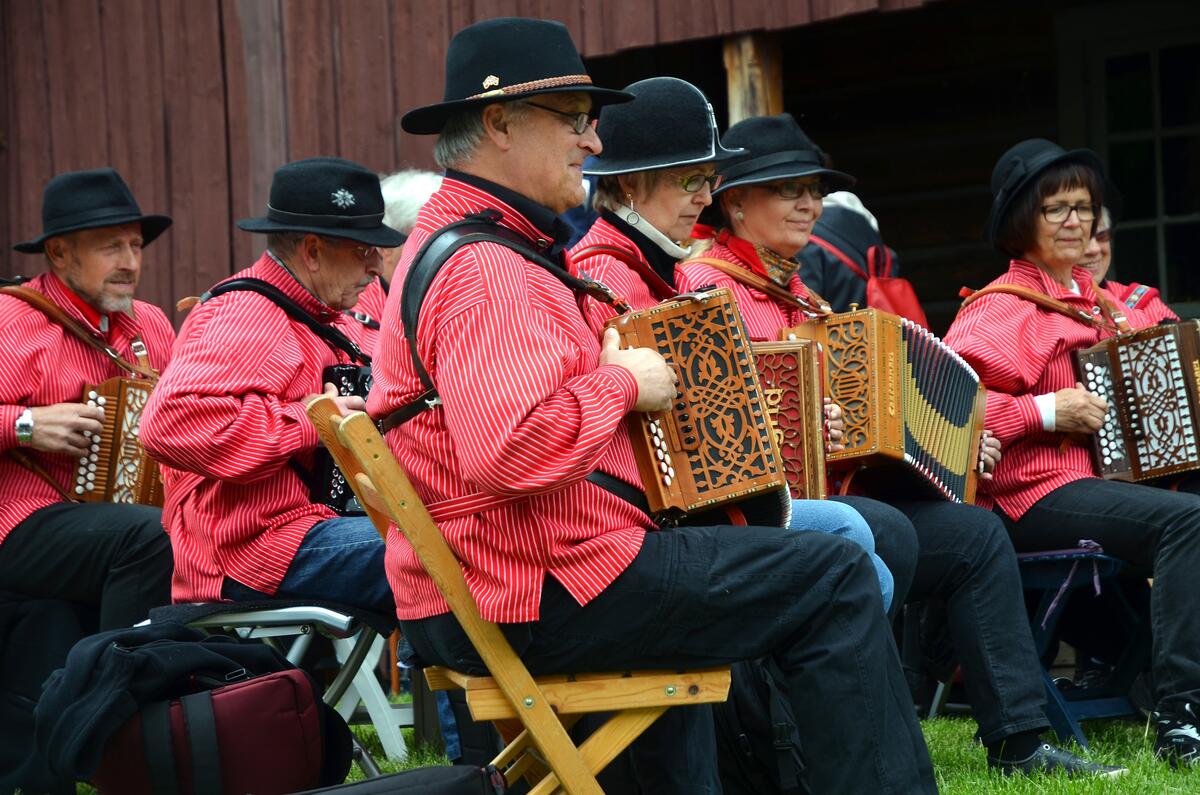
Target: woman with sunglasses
x,y
1045,203
1097,258
764,212
651,189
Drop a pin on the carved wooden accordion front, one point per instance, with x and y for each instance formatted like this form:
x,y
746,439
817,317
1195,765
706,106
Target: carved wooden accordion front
x,y
1150,380
715,444
790,376
907,398
117,468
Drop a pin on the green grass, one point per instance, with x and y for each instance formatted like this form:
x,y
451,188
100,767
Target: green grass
x,y
958,762
961,766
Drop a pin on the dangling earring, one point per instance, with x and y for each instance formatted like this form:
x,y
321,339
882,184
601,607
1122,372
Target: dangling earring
x,y
740,215
633,216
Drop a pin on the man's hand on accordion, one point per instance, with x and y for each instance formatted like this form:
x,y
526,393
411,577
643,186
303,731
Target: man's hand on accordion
x,y
65,428
655,379
989,455
835,427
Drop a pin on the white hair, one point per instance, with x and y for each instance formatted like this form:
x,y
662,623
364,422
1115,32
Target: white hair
x,y
844,198
404,193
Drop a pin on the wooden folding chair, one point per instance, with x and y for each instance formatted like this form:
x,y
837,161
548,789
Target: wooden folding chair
x,y
532,714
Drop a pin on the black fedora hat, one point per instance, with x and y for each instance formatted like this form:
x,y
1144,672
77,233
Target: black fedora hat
x,y
498,60
326,196
1017,169
88,200
776,148
633,137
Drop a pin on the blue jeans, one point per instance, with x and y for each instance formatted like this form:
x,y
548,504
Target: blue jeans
x,y
839,519
340,560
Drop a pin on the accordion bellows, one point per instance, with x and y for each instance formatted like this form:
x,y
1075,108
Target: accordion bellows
x,y
914,409
1150,380
790,376
715,444
117,468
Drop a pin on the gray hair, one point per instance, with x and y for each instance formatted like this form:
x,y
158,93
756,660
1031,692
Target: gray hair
x,y
404,193
463,131
283,244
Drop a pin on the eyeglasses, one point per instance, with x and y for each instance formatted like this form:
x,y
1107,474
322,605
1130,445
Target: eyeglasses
x,y
1104,236
794,190
1059,213
693,183
580,121
364,253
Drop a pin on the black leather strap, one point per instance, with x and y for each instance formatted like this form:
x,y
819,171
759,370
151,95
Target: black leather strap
x,y
158,749
482,227
619,488
332,337
202,742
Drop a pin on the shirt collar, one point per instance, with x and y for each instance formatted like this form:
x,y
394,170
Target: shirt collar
x,y
97,320
662,262
272,271
542,217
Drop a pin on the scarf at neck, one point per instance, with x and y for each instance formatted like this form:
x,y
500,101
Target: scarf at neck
x,y
639,223
761,259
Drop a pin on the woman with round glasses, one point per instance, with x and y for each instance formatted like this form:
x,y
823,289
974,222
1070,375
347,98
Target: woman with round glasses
x,y
1045,204
959,556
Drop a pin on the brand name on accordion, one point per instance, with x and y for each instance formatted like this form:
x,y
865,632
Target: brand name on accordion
x,y
891,384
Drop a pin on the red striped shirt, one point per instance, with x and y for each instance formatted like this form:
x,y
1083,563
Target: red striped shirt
x,y
762,315
613,274
526,411
1143,298
1021,350
45,364
225,420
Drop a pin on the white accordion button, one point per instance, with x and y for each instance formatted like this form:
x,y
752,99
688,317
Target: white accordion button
x,y
92,395
79,489
100,401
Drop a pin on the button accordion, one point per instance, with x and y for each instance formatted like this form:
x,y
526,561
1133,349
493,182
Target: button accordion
x,y
326,483
790,376
1151,381
116,467
715,445
914,409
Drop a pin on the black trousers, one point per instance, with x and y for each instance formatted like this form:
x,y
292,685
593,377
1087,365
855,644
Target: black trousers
x,y
697,597
895,542
1147,526
967,562
113,558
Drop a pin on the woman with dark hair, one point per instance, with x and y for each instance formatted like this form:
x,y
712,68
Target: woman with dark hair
x,y
764,213
1045,204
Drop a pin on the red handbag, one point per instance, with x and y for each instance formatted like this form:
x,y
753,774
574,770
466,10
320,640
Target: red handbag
x,y
893,294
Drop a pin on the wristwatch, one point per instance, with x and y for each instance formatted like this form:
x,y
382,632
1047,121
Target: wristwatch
x,y
25,428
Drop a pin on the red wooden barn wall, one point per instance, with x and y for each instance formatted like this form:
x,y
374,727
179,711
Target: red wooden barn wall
x,y
196,102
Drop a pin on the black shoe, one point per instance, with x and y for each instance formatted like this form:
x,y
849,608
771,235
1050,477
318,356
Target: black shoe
x,y
1178,738
1048,759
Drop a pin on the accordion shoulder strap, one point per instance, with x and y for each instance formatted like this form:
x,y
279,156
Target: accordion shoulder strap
x,y
23,458
481,227
330,335
817,306
50,310
657,284
1041,299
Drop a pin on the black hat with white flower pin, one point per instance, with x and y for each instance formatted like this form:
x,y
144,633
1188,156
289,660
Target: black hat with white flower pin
x,y
326,196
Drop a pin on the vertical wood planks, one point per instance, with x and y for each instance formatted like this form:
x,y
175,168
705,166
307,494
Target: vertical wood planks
x,y
313,107
75,81
366,115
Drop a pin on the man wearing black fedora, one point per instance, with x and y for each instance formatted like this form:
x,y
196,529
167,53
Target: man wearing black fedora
x,y
529,423
228,419
112,557
79,566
